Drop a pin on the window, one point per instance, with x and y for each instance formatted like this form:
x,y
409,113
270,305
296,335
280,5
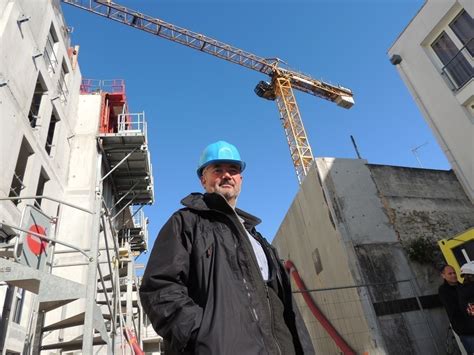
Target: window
x,y
63,91
20,168
50,51
43,179
52,126
463,28
40,91
456,66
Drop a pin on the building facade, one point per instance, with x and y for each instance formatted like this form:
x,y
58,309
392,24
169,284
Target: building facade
x,y
434,56
75,176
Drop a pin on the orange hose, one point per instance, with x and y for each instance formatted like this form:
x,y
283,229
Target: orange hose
x,y
333,333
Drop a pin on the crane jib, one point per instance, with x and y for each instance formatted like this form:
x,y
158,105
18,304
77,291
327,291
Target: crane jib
x,y
283,80
205,44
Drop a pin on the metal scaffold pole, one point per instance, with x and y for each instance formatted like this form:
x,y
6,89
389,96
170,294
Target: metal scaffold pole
x,y
91,286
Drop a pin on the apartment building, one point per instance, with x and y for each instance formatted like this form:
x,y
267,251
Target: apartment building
x,y
435,58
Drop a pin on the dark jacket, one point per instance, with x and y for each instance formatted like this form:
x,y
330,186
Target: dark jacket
x,y
459,319
466,296
203,291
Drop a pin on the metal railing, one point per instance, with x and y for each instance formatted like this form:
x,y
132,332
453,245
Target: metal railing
x,y
112,299
138,241
91,86
50,56
65,29
138,216
19,239
63,90
140,221
17,184
132,123
460,70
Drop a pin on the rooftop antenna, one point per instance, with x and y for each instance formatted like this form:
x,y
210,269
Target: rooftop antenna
x,y
355,147
415,153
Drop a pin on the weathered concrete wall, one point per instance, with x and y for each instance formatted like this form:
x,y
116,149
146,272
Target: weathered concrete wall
x,y
309,238
422,203
375,209
378,209
379,258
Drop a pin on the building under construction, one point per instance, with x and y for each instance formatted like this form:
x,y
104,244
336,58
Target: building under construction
x,y
75,176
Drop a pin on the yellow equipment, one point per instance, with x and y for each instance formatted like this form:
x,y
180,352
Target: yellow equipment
x,y
458,250
280,87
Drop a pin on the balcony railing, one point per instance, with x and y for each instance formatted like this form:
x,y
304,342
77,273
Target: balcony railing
x,y
50,56
62,88
459,70
132,123
92,86
139,219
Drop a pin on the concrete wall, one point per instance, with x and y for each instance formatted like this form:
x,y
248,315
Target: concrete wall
x,y
309,238
76,226
423,203
381,208
375,209
450,114
20,72
379,258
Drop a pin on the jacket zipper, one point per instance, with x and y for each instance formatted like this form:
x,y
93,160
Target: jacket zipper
x,y
264,283
270,309
271,318
253,312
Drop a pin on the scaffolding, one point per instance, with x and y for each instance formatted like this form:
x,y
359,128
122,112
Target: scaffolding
x,y
105,303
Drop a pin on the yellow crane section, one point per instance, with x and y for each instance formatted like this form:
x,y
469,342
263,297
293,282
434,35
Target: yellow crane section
x,y
282,80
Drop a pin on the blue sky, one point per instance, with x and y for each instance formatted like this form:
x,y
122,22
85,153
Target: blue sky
x,y
192,99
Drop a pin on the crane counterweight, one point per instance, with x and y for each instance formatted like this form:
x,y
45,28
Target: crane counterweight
x,y
344,101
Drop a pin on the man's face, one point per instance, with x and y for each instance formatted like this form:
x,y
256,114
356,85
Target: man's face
x,y
449,275
224,179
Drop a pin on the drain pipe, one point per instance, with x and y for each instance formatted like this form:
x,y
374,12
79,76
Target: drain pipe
x,y
333,333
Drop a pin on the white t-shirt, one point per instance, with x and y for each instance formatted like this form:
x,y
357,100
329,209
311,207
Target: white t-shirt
x,y
259,253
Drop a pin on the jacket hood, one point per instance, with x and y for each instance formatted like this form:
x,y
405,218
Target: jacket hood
x,y
214,201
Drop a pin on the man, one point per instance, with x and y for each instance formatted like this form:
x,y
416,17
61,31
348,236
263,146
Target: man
x,y
466,302
213,284
460,321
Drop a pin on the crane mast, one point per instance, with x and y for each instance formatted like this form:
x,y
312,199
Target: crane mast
x,y
282,80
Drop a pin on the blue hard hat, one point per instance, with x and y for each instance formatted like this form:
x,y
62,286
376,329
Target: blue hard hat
x,y
219,152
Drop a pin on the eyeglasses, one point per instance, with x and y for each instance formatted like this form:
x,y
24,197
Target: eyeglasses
x,y
221,170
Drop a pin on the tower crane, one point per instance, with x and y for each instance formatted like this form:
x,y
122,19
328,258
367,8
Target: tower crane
x,y
279,88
